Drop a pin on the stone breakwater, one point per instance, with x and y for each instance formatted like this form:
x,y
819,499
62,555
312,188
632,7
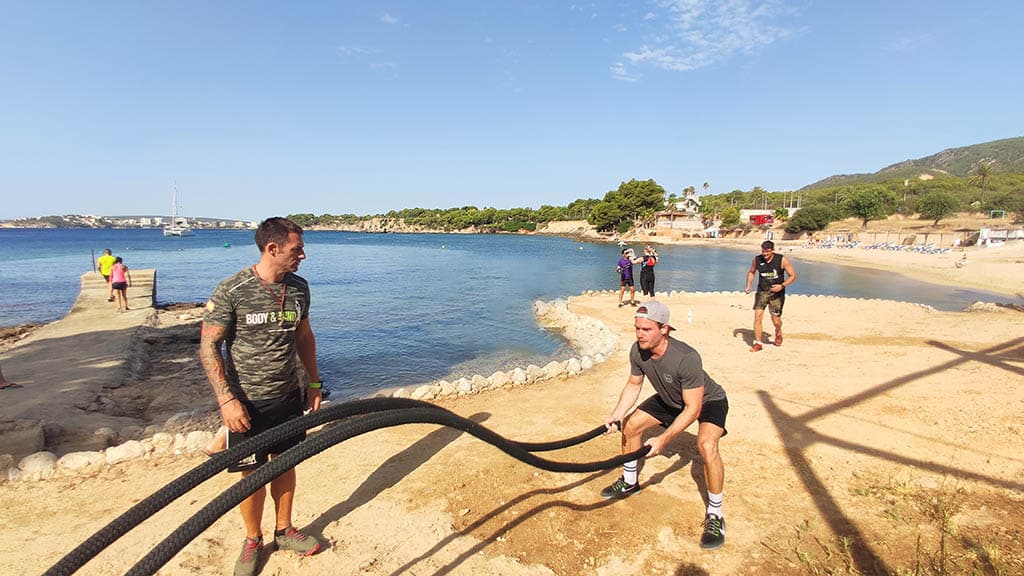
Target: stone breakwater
x,y
188,433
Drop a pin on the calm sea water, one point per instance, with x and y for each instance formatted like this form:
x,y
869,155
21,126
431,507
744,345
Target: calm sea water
x,y
394,310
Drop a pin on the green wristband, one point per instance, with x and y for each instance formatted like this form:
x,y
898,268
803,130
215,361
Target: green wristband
x,y
316,385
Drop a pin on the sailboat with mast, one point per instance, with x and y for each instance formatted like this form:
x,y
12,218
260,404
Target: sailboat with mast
x,y
178,225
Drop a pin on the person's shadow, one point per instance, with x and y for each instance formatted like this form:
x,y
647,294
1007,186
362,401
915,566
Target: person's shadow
x,y
392,471
684,449
746,333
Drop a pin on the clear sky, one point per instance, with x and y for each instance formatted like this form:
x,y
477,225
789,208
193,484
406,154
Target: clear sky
x,y
263,108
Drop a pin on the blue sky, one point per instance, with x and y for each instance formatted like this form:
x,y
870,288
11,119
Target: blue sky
x,y
262,108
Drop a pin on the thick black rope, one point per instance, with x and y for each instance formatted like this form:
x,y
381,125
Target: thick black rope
x,y
234,495
135,515
396,411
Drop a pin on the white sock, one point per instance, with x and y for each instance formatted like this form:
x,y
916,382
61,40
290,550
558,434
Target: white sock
x,y
629,472
715,504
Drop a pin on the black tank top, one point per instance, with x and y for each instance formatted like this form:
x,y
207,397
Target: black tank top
x,y
769,273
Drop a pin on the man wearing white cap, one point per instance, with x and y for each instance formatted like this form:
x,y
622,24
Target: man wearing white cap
x,y
685,393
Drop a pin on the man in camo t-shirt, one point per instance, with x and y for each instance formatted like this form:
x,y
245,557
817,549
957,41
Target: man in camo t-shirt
x,y
260,317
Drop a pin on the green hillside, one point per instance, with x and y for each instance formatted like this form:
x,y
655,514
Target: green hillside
x,y
1007,156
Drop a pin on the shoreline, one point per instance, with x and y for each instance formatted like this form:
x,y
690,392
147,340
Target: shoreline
x,y
991,269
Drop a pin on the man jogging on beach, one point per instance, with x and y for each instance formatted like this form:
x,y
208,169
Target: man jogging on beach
x,y
684,393
774,273
261,316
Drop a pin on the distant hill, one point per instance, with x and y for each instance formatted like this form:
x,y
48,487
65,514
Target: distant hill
x,y
1008,155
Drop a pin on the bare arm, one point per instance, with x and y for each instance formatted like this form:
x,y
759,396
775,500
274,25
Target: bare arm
x,y
790,271
232,412
693,398
305,345
627,398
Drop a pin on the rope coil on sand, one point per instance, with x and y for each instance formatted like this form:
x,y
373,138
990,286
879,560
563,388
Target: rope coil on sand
x,y
376,413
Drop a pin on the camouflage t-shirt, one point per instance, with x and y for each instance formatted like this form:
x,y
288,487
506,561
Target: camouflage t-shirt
x,y
260,320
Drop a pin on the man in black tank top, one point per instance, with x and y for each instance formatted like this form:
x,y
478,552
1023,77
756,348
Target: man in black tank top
x,y
774,272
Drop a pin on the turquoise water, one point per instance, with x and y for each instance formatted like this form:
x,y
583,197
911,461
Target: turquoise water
x,y
394,310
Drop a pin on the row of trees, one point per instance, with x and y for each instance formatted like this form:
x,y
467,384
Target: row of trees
x,y
636,202
619,209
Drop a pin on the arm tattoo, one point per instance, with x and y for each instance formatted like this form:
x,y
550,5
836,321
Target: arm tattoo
x,y
209,354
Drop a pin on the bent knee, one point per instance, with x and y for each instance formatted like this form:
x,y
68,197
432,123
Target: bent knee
x,y
708,448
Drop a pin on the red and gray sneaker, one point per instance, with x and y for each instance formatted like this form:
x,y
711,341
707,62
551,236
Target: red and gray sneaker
x,y
756,347
247,560
298,542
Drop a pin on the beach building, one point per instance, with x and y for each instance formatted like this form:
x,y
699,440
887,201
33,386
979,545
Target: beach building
x,y
681,219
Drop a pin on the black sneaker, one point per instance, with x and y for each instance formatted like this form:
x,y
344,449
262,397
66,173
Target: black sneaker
x,y
714,532
620,489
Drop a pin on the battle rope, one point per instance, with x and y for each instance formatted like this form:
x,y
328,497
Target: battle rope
x,y
372,414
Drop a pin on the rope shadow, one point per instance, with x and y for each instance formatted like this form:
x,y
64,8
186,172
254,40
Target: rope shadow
x,y
682,446
392,471
508,526
799,437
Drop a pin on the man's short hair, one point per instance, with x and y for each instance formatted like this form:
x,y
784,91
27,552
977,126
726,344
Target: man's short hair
x,y
275,230
767,245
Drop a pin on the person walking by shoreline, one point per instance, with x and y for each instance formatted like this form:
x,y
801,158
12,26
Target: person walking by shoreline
x,y
683,393
625,270
774,272
261,317
120,281
647,264
103,265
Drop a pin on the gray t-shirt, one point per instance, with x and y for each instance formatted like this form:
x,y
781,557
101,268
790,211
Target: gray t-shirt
x,y
260,320
679,368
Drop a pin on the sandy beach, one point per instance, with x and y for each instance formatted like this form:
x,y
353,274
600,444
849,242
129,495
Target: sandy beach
x,y
880,437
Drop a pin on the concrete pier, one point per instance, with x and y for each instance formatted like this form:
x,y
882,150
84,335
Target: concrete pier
x,y
73,362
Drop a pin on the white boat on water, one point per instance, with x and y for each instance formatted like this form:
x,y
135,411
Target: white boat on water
x,y
178,225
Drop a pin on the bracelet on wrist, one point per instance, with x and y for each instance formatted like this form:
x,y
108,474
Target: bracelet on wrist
x,y
226,402
316,385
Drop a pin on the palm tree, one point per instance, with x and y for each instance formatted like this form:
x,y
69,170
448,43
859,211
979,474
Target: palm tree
x,y
980,175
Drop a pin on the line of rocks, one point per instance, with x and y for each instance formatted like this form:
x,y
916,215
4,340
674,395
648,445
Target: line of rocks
x,y
591,338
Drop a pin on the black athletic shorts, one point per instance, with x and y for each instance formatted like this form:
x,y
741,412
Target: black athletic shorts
x,y
713,412
264,415
119,285
626,281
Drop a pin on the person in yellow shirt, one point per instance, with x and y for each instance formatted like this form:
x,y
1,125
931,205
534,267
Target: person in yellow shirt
x,y
103,265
